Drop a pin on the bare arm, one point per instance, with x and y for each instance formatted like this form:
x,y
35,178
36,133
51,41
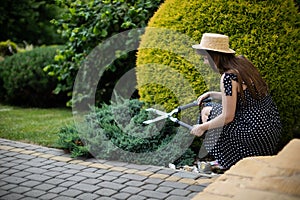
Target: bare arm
x,y
212,94
228,111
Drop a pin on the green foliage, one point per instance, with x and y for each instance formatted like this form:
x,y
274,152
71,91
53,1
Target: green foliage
x,y
25,83
33,125
266,32
29,20
87,24
116,132
68,139
8,48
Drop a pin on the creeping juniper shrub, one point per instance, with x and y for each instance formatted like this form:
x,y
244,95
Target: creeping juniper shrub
x,y
116,131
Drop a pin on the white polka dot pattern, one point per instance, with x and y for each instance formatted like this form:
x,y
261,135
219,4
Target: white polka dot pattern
x,y
255,130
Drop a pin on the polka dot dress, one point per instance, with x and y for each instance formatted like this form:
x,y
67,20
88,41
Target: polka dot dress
x,y
255,130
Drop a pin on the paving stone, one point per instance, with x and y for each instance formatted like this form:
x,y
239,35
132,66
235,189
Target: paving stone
x,y
48,196
64,176
178,198
87,196
20,167
121,180
111,185
59,169
9,159
106,192
153,194
9,186
19,161
136,197
164,189
20,189
131,190
2,182
76,178
38,177
52,174
44,187
89,174
179,192
91,170
57,190
174,185
71,193
3,192
85,187
92,181
102,171
34,164
8,165
67,183
135,183
138,167
3,169
14,180
21,174
63,198
24,157
196,188
166,171
12,196
34,193
10,171
134,177
121,195
30,183
35,170
107,178
190,175
115,174
153,181
105,198
78,167
149,187
55,181
70,171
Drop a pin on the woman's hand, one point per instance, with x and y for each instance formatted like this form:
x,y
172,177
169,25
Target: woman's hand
x,y
202,97
198,130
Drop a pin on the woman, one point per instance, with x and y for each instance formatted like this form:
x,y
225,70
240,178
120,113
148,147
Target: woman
x,y
247,123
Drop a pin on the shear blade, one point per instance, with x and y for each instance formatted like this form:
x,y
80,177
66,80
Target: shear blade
x,y
155,120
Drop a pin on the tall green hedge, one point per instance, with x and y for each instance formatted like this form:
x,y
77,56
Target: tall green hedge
x,y
23,81
266,32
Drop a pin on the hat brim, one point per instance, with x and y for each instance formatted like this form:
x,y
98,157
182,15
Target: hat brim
x,y
198,46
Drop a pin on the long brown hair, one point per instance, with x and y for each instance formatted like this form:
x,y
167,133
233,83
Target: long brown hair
x,y
246,72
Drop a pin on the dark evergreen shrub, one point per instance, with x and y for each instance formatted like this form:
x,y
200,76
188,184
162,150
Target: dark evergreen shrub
x,y
266,32
116,132
8,48
24,82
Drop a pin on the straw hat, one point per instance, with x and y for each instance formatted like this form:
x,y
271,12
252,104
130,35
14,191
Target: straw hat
x,y
214,42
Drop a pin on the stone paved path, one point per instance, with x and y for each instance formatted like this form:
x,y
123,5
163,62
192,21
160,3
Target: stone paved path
x,y
35,172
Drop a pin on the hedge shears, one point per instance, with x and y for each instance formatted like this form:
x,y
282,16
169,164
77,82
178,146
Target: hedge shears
x,y
176,111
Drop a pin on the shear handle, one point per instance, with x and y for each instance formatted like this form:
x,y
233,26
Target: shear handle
x,y
181,123
195,103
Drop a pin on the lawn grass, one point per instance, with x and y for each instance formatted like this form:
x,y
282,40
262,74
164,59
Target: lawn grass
x,y
33,125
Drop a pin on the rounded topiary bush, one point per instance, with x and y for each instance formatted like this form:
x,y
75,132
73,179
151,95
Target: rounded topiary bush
x,y
24,83
266,32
